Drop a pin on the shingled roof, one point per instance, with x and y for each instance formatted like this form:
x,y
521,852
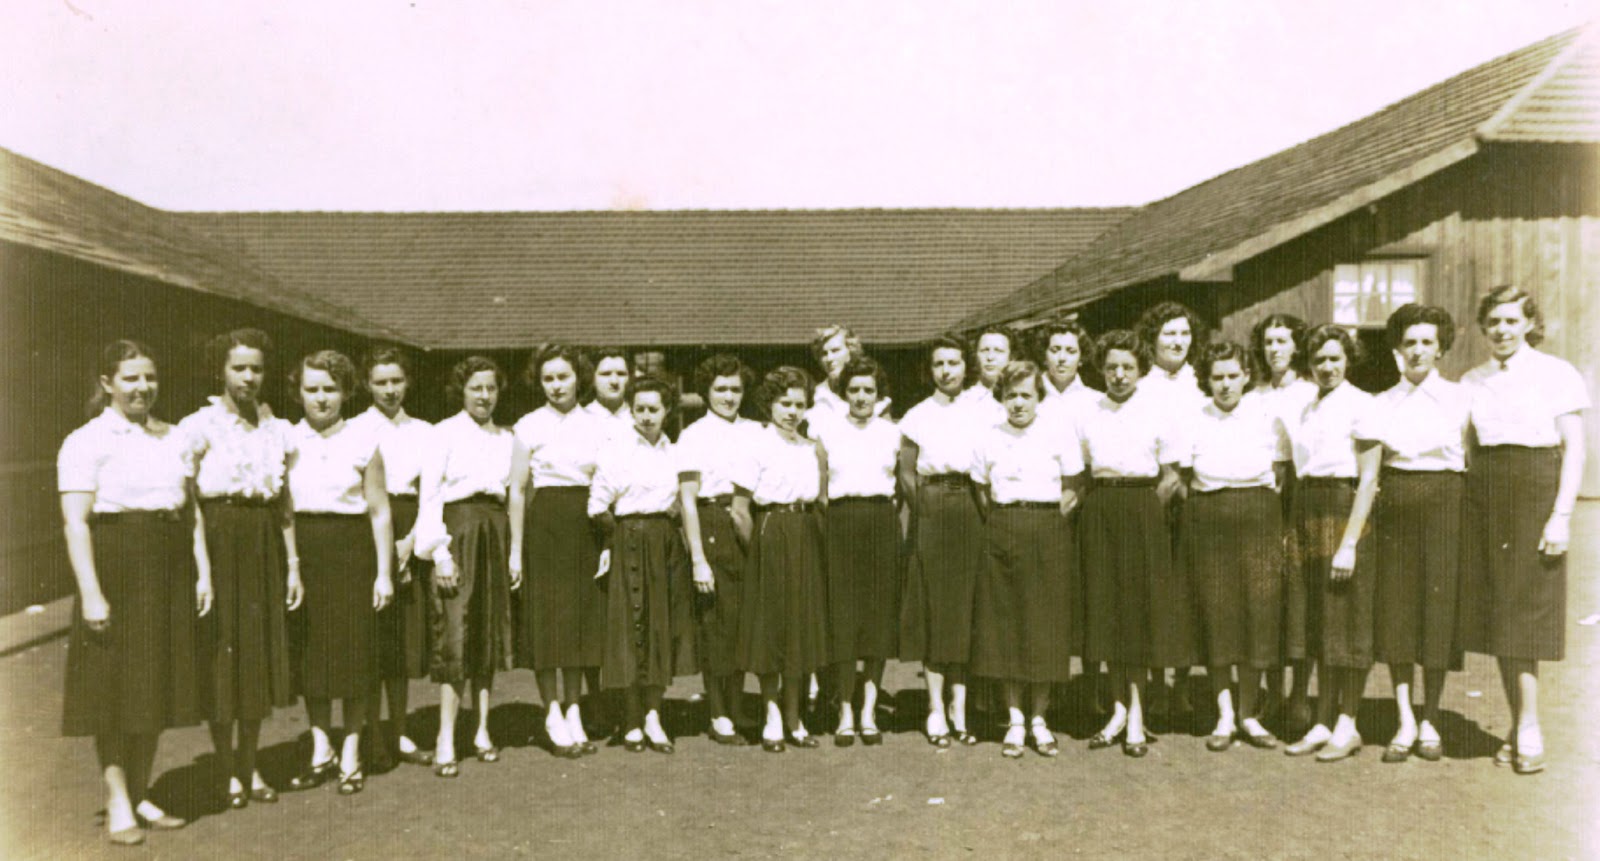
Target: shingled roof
x,y
484,280
1546,92
44,208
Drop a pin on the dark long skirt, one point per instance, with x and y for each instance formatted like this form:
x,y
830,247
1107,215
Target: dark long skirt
x,y
1514,601
338,655
562,610
472,623
717,614
1420,516
864,573
138,675
1139,607
403,630
1029,604
941,576
244,641
1328,621
1233,555
649,605
783,627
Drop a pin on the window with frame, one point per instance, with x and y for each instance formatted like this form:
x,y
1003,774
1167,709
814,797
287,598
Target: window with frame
x,y
1366,293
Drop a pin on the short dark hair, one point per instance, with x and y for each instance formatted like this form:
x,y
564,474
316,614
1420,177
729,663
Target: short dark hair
x,y
948,341
337,364
1258,344
218,348
1159,315
551,352
1211,354
652,383
778,381
1413,314
722,365
862,366
1000,329
1125,340
1014,373
111,358
1068,326
455,390
387,354
1507,293
1353,353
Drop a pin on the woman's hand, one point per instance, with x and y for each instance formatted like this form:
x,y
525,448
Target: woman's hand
x,y
202,596
604,567
514,565
444,575
402,556
382,592
297,589
1344,564
703,579
1557,535
1069,503
96,612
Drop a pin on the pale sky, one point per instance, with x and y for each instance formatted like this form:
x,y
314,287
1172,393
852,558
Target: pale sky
x,y
433,105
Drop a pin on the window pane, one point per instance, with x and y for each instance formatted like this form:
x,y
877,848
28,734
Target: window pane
x,y
1402,283
1344,310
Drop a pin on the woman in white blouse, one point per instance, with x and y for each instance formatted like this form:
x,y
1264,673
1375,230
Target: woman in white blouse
x,y
649,602
611,370
462,527
863,548
1027,616
139,558
938,439
1061,351
1232,544
1333,566
1527,465
241,456
834,347
561,629
714,454
1421,422
346,542
783,628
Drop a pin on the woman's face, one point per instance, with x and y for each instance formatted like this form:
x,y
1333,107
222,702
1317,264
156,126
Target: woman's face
x,y
1329,364
1062,356
949,370
560,384
610,381
480,395
788,408
1419,350
388,384
1227,383
861,393
1121,371
321,397
1022,402
132,389
1507,326
725,396
835,355
1277,342
1173,342
241,374
994,352
649,414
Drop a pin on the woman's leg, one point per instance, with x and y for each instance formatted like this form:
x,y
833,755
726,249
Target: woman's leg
x,y
1221,677
1250,682
222,743
872,670
795,687
1432,697
653,730
481,739
141,760
245,754
1521,680
632,715
1121,696
716,702
844,676
1038,701
772,731
355,722
444,749
937,726
320,711
957,674
112,751
398,692
572,679
1402,676
555,719
1136,688
1350,683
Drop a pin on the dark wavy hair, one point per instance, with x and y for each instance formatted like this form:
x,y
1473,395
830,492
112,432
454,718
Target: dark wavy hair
x,y
862,366
1156,316
455,390
594,359
1353,353
1413,314
1222,351
1013,375
388,354
652,383
338,366
776,382
1121,339
581,369
218,348
111,358
1507,293
948,341
722,365
1012,341
1069,326
1259,367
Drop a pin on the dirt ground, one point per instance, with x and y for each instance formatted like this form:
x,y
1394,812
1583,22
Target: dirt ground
x,y
901,799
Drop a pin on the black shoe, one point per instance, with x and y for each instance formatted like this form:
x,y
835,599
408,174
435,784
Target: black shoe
x,y
660,746
732,739
415,757
844,738
487,754
238,800
871,737
633,745
314,777
773,746
805,742
264,794
447,770
352,783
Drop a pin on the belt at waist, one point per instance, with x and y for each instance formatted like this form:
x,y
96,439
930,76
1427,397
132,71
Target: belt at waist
x,y
644,515
785,506
1512,447
847,500
170,515
947,479
242,501
724,500
1193,489
1028,505
408,496
478,499
1125,481
1325,481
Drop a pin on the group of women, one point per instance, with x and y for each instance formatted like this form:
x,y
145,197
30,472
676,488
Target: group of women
x,y
1215,506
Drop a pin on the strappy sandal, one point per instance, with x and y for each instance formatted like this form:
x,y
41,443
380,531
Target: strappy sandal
x,y
1013,749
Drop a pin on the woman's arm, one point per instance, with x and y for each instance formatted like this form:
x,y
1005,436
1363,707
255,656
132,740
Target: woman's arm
x,y
376,490
1558,529
743,523
906,472
1369,459
295,589
517,507
688,501
203,594
433,540
822,469
76,507
1172,483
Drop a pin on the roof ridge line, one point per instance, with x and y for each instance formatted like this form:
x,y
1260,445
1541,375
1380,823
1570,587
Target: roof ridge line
x,y
1587,36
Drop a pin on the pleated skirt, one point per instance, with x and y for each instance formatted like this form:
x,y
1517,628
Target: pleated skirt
x,y
472,632
138,675
1232,550
1420,517
337,629
403,629
864,573
941,577
561,620
1139,608
1515,598
717,615
783,626
245,669
1329,621
1029,599
649,605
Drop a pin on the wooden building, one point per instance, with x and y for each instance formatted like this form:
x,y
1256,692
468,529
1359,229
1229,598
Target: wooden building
x,y
1489,178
